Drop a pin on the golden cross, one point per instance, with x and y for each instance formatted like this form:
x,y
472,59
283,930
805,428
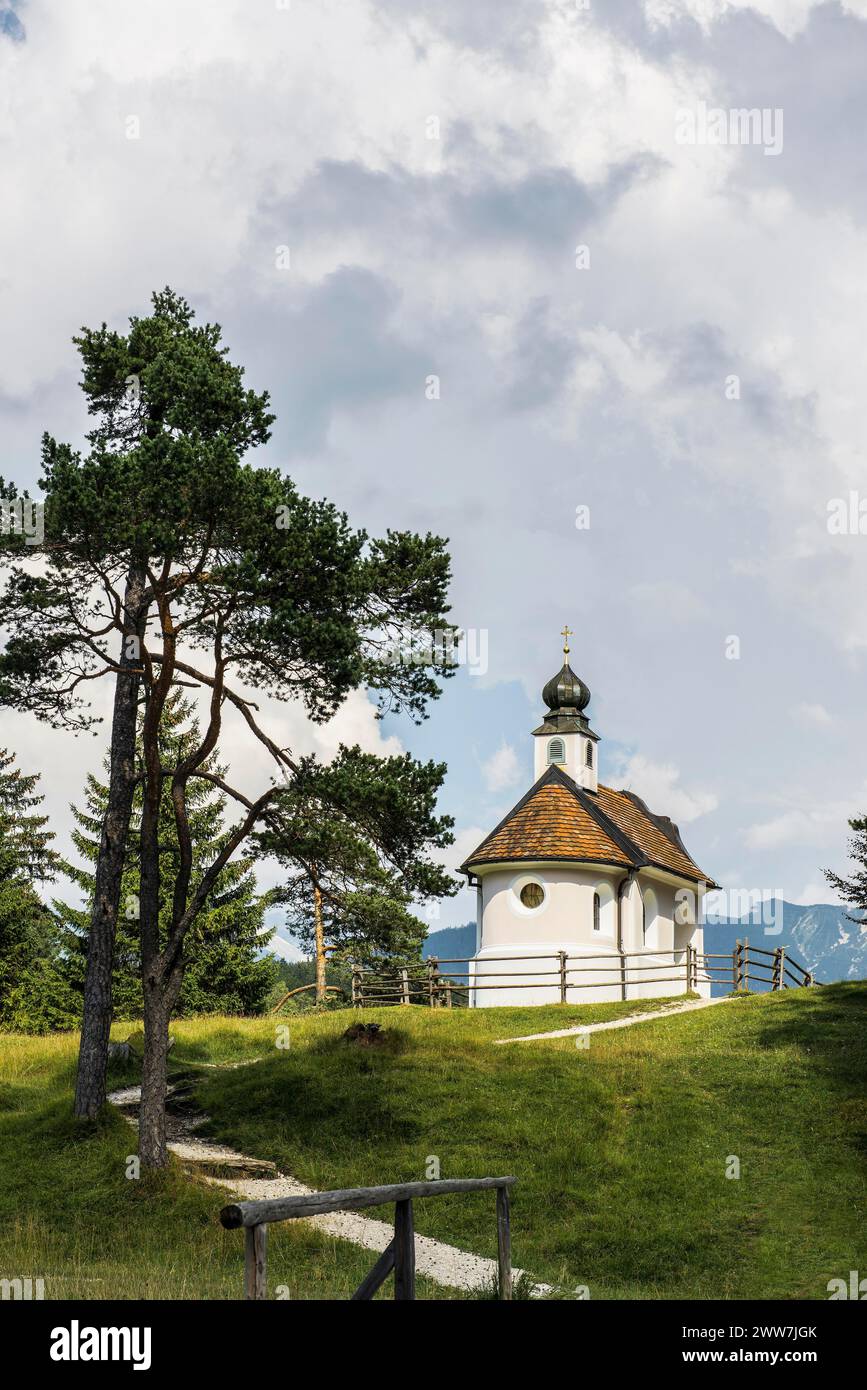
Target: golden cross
x,y
566,634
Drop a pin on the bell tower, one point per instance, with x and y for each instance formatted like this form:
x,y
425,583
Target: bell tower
x,y
564,737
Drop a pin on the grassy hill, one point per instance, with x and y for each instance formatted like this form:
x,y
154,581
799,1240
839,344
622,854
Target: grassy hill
x,y
620,1149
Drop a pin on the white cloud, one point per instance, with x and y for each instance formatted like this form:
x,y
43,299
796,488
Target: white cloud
x,y
284,948
63,762
452,856
462,907
811,826
503,768
806,713
657,785
816,891
698,269
663,602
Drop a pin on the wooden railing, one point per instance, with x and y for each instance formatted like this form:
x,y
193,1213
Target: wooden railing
x,y
432,982
747,963
255,1217
301,989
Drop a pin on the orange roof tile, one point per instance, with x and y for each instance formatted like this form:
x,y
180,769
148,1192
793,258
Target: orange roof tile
x,y
559,820
660,842
549,824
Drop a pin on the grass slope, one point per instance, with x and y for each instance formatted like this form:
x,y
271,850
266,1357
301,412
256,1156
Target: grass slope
x,y
69,1214
620,1149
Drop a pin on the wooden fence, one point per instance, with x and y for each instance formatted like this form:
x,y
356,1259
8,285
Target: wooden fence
x,y
303,989
398,1256
436,983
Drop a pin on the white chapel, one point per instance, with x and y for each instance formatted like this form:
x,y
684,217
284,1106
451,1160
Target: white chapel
x,y
583,893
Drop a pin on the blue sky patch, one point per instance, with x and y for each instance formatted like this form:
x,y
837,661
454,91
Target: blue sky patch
x,y
11,26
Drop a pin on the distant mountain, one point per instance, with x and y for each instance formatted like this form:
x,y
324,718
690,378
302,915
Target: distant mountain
x,y
821,938
452,943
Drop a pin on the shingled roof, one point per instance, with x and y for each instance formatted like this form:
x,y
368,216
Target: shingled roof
x,y
559,820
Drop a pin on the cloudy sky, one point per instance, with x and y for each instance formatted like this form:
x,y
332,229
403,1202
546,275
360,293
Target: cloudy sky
x,y
496,293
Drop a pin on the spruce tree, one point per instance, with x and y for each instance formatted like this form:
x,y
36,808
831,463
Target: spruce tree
x,y
224,969
25,840
33,994
355,838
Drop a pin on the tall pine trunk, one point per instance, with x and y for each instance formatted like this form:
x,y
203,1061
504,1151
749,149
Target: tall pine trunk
x,y
320,944
160,996
96,1022
152,1114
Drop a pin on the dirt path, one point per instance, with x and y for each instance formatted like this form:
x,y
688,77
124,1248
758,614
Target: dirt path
x,y
253,1179
616,1022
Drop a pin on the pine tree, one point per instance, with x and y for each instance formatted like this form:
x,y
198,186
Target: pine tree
x,y
33,994
853,890
25,840
224,972
355,839
168,558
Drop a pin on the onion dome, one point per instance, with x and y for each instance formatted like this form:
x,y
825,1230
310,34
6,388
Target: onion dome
x,y
566,697
566,693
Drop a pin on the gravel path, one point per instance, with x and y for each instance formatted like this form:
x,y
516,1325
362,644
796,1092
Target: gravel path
x,y
444,1264
616,1022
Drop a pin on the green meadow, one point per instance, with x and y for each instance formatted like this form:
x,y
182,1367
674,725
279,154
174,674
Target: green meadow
x,y
621,1149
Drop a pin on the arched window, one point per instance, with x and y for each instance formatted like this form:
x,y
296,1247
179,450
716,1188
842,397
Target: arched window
x,y
649,918
604,909
556,751
588,755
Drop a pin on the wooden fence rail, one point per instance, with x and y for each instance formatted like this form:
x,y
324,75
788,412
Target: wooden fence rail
x,y
432,983
254,1219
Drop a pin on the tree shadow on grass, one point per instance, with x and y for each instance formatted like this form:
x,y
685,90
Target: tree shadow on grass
x,y
828,1025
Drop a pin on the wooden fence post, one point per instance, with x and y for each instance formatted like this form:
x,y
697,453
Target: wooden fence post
x,y
504,1244
432,980
404,1251
404,985
736,966
562,955
253,1218
357,997
775,977
747,964
255,1261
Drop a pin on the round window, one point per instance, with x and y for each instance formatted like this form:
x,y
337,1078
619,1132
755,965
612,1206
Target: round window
x,y
532,895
